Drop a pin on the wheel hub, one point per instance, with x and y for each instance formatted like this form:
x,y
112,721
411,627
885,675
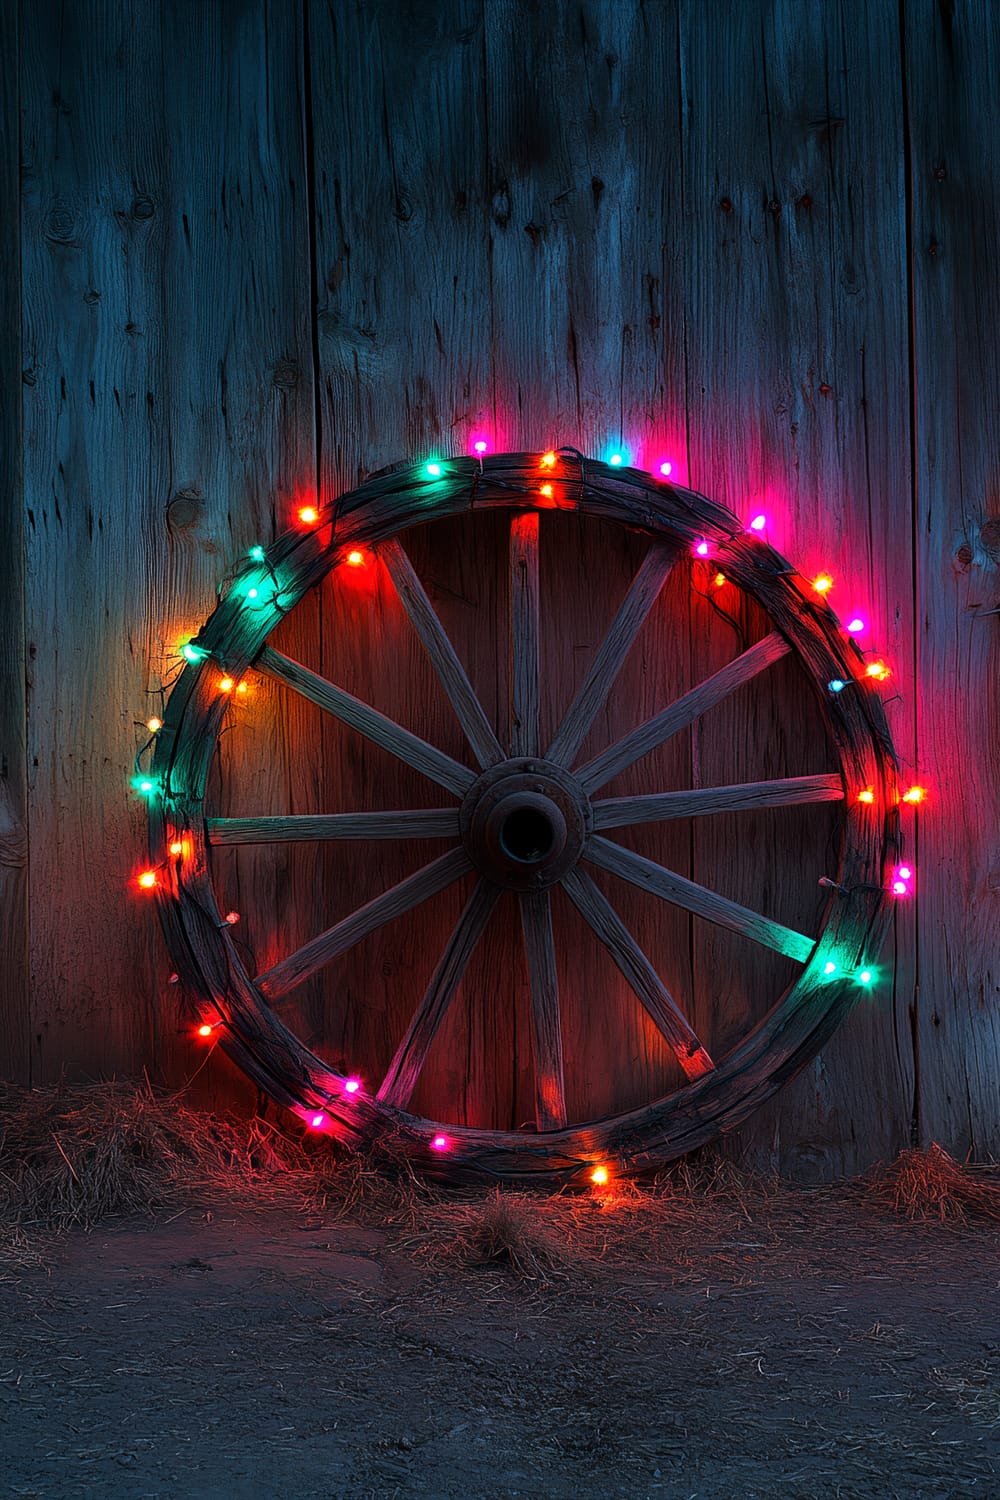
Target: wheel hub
x,y
524,823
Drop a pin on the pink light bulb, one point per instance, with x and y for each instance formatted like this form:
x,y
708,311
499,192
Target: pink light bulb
x,y
352,1085
904,872
666,468
701,550
440,1143
855,626
758,523
480,445
317,1121
899,887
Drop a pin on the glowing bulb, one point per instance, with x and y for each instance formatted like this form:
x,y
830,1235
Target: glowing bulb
x,y
855,626
252,592
434,470
836,684
225,684
241,687
309,515
546,490
758,523
915,794
878,670
257,553
615,460
177,847
191,652
440,1143
154,725
480,445
355,559
701,549
904,872
899,887
232,917
317,1121
548,460
719,580
865,977
823,583
868,795
666,468
146,786
147,879
829,967
352,1085
599,1175
205,1030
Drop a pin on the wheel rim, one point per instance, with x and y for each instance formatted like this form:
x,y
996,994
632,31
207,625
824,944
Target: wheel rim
x,y
529,820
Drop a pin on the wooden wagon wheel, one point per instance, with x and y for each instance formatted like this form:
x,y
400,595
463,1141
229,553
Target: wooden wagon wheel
x,y
527,819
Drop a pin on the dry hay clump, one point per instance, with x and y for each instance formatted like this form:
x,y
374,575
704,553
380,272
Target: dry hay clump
x,y
76,1155
508,1229
931,1185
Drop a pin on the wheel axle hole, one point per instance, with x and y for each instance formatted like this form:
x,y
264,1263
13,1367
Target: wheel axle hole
x,y
527,835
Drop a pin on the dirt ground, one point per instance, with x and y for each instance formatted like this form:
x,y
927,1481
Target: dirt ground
x,y
804,1344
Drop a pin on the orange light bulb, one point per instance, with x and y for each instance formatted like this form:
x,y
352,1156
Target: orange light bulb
x,y
309,515
915,794
225,684
878,670
205,1030
177,847
823,583
599,1176
719,580
548,460
546,490
147,879
356,558
241,687
868,795
154,725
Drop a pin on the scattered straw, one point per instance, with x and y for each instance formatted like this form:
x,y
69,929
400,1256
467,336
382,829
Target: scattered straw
x,y
504,1229
930,1184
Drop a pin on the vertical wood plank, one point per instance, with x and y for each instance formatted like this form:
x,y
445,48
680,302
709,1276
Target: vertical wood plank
x,y
14,973
799,407
951,58
168,423
524,635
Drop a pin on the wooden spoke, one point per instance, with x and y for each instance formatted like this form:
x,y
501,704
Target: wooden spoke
x,y
696,898
601,916
682,713
524,604
434,823
367,721
639,600
411,1054
546,1031
312,956
451,673
791,791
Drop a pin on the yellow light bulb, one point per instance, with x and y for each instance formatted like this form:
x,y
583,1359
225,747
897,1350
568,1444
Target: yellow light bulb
x,y
548,460
719,580
309,515
154,725
147,879
915,794
823,583
225,684
868,795
599,1176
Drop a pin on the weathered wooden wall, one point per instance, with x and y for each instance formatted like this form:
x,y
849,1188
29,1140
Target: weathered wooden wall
x,y
260,248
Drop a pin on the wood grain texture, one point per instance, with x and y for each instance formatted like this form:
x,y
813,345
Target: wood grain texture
x,y
795,249
681,714
15,979
267,251
434,823
952,54
546,1025
788,791
386,907
416,752
525,643
168,422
